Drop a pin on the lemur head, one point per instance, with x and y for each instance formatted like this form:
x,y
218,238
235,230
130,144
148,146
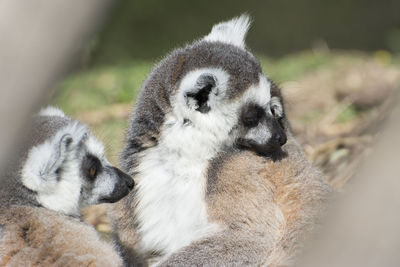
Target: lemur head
x,y
216,86
66,168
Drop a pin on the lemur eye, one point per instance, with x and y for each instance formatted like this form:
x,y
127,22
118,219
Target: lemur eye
x,y
92,172
252,115
91,167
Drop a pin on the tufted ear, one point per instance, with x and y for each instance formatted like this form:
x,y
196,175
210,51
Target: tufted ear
x,y
51,111
232,32
58,156
198,97
42,166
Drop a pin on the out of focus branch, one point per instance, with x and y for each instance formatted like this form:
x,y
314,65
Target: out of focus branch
x,y
363,227
38,39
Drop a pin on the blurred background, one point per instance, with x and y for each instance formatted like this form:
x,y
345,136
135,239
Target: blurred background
x,y
337,62
149,29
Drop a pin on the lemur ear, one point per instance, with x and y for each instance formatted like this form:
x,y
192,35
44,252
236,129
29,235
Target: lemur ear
x,y
60,154
198,98
44,162
232,32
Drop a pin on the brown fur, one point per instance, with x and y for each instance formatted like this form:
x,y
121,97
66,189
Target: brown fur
x,y
121,219
33,236
265,209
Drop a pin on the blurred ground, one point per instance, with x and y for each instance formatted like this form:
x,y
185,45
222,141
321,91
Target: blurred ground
x,y
336,102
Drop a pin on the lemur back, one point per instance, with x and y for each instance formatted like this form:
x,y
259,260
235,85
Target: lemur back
x,y
34,236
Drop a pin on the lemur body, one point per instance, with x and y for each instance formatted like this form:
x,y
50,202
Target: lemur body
x,y
200,101
60,169
264,208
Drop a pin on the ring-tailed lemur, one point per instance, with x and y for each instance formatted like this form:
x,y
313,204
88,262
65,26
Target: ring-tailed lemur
x,y
199,101
60,169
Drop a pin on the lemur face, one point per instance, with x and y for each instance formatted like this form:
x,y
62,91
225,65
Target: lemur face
x,y
213,91
262,127
69,170
235,103
101,182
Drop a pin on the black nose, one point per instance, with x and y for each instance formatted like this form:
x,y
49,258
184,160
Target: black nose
x,y
122,187
279,138
126,178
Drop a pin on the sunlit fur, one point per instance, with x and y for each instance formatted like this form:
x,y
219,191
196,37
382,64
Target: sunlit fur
x,y
171,142
232,32
35,236
264,209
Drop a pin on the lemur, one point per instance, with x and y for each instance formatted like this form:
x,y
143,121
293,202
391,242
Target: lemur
x,y
59,169
201,100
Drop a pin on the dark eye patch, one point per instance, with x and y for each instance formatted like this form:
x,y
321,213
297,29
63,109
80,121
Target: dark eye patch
x,y
91,167
251,115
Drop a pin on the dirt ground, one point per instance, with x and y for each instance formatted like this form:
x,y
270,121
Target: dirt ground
x,y
336,113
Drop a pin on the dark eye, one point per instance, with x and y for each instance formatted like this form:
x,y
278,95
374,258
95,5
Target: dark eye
x,y
91,167
92,172
252,115
250,121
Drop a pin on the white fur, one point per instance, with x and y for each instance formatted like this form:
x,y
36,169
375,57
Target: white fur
x,y
259,134
259,93
51,111
105,182
172,176
103,186
95,147
171,181
39,171
231,32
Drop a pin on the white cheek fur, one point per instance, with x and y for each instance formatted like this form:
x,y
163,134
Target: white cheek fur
x,y
39,172
171,183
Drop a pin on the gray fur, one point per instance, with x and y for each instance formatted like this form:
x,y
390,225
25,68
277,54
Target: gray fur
x,y
266,206
34,236
246,212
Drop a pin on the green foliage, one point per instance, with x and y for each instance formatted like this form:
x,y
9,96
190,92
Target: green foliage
x,y
111,133
348,114
312,116
120,84
101,86
292,66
